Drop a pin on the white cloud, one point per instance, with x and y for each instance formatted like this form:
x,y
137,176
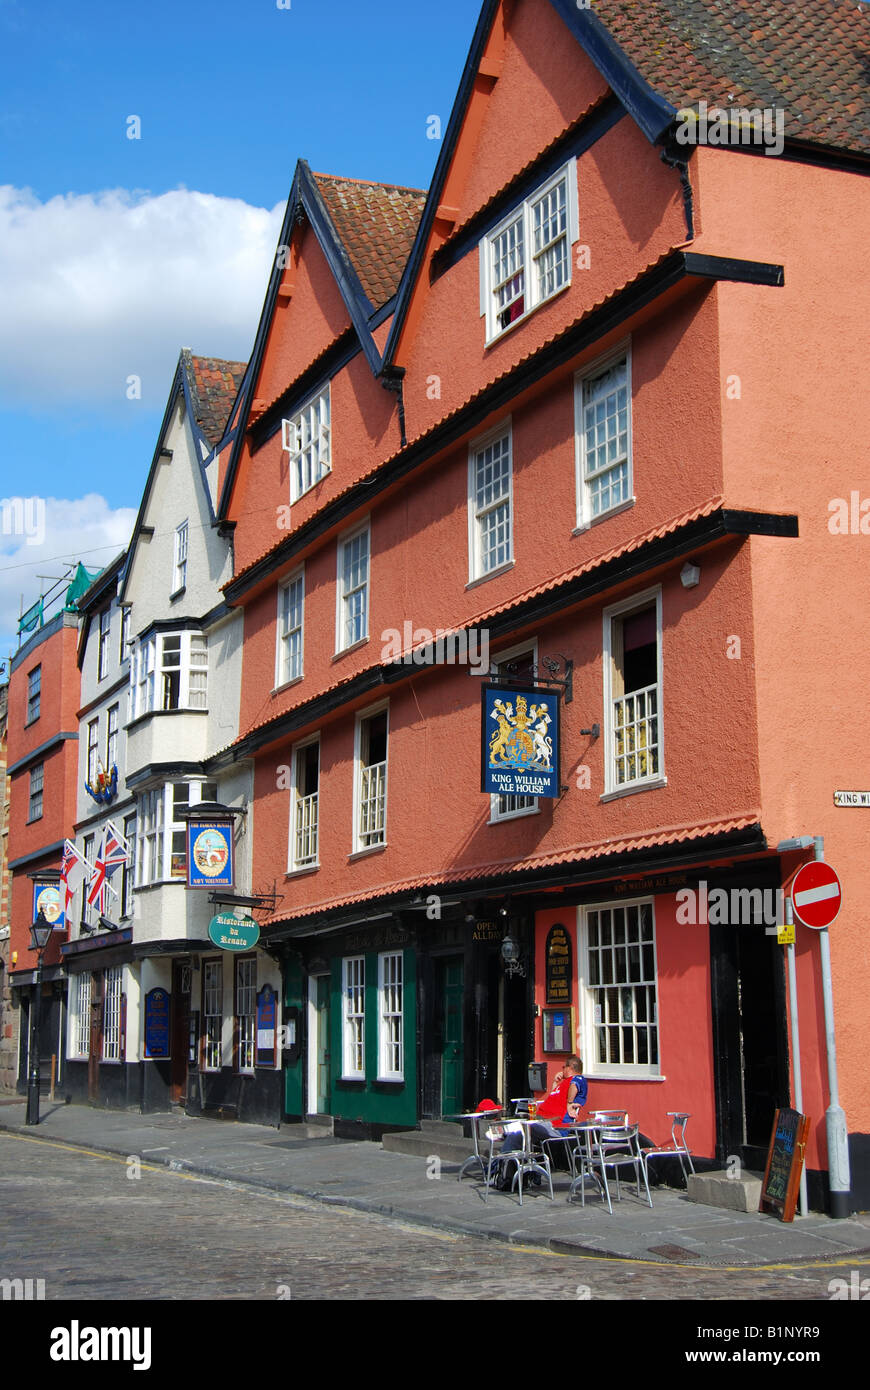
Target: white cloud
x,y
98,533
99,287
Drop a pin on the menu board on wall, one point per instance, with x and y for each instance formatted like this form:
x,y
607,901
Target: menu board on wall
x,y
560,986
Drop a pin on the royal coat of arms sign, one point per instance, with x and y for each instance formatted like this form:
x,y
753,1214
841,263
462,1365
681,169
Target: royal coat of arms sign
x,y
520,742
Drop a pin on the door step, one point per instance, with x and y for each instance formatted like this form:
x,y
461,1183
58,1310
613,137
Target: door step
x,y
434,1139
723,1190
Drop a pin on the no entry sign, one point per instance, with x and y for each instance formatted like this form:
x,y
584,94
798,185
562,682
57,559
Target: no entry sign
x,y
816,895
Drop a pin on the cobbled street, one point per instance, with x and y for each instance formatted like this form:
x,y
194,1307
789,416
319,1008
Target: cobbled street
x,y
80,1223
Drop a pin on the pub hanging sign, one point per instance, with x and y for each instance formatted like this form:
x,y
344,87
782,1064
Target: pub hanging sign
x,y
209,854
519,742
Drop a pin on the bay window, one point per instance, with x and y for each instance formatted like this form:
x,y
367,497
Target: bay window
x,y
161,830
169,671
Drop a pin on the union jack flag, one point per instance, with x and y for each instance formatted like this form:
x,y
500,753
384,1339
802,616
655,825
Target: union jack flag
x,y
107,860
74,867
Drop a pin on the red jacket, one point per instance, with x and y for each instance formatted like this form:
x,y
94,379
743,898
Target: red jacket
x,y
555,1106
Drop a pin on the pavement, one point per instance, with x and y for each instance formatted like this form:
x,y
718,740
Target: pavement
x,y
425,1192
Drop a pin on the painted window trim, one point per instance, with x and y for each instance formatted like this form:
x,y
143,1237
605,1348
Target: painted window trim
x,y
385,1073
112,754
476,572
568,171
362,715
345,539
32,792
585,518
624,609
349,1073
92,751
205,1066
180,556
114,976
293,422
80,1019
297,576
611,1071
34,694
104,643
238,962
495,816
310,865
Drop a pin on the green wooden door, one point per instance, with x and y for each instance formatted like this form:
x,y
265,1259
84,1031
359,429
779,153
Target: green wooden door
x,y
451,982
321,1043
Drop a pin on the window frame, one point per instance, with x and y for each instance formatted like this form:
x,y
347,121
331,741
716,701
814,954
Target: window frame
x,y
104,643
619,612
295,866
599,368
363,716
208,1042
128,870
627,1071
123,649
385,1041
476,572
112,736
496,815
36,773
179,557
281,637
88,912
149,672
154,831
523,212
34,694
92,752
294,450
113,1014
348,537
351,1041
249,1043
80,1016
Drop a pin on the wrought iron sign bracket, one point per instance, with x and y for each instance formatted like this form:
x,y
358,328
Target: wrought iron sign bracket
x,y
561,673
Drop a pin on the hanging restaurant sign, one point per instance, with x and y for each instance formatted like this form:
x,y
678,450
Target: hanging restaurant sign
x,y
209,854
47,900
519,742
233,933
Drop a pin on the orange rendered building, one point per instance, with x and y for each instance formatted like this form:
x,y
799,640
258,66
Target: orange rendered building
x,y
580,408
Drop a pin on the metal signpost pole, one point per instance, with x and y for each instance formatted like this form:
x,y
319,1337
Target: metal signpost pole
x,y
795,1040
839,1177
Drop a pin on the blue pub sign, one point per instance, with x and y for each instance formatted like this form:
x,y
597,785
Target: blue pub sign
x,y
520,742
209,854
157,1023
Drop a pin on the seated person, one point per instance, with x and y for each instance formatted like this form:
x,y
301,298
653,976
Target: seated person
x,y
560,1108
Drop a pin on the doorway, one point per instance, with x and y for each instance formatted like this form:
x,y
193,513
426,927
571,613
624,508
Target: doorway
x,y
319,1053
750,1040
450,987
180,1033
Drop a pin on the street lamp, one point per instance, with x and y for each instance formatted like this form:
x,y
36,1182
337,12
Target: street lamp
x,y
40,934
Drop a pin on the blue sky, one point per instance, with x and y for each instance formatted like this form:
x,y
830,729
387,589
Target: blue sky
x,y
116,252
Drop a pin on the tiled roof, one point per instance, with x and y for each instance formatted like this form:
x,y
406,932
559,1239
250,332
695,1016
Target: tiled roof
x,y
377,223
498,869
213,385
811,60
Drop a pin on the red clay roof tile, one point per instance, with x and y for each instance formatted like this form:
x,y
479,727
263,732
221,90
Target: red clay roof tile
x,y
377,223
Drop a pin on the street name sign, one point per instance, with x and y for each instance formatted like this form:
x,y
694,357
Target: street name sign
x,y
852,799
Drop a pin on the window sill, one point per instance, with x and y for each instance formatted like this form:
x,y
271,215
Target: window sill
x,y
514,815
345,651
532,309
622,1076
302,870
160,883
154,713
490,574
359,1080
390,1080
362,853
179,593
33,721
583,526
652,785
285,685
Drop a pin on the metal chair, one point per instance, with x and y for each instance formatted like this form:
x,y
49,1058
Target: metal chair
x,y
678,1148
611,1117
477,1159
619,1147
582,1166
527,1161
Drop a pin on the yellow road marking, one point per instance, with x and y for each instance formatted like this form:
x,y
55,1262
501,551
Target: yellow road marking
x,y
295,1199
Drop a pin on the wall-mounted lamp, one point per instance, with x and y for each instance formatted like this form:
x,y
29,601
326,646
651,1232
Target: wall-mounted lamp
x,y
510,954
690,575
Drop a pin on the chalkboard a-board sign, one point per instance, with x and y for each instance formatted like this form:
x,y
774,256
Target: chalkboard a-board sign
x,y
785,1159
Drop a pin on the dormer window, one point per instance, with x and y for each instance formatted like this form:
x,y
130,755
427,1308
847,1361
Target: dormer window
x,y
526,258
306,438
